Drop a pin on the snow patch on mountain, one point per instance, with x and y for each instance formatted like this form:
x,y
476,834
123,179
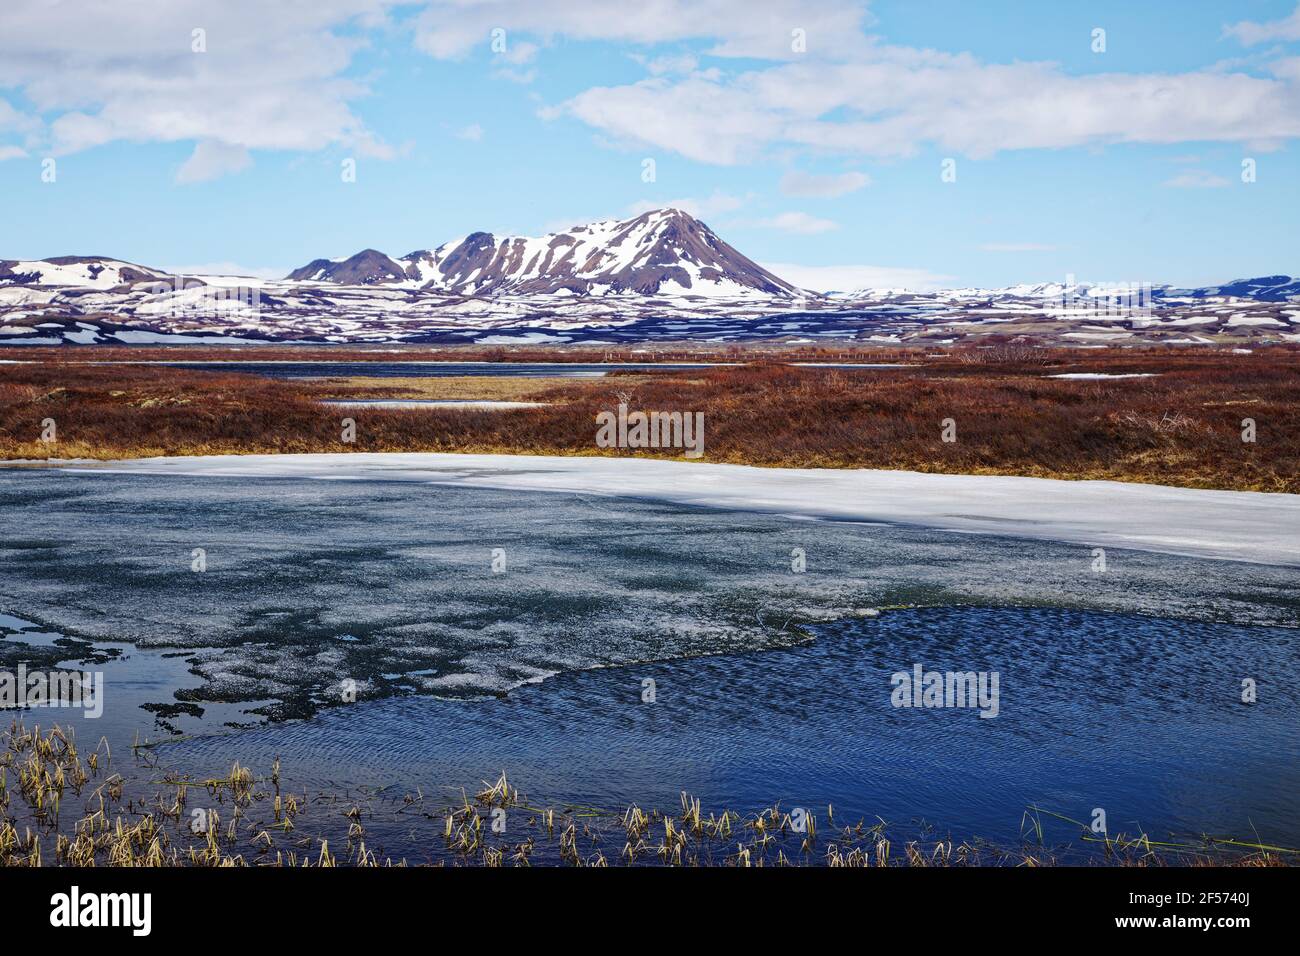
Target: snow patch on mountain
x,y
660,252
84,272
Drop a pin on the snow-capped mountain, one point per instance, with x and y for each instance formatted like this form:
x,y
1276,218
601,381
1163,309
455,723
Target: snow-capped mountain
x,y
83,272
1262,289
661,252
661,276
367,267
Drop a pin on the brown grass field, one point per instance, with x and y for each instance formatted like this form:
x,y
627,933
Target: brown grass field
x,y
1182,426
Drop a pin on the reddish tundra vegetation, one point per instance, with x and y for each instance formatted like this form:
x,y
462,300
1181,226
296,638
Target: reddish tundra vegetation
x,y
1186,422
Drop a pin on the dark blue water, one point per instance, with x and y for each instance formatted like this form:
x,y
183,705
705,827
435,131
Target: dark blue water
x,y
1119,691
1141,717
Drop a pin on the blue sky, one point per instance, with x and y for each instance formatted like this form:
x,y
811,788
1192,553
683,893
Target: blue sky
x,y
823,160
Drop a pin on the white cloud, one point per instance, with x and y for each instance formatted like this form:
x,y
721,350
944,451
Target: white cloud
x,y
512,63
850,93
275,76
798,222
271,76
12,152
1016,247
1287,68
893,101
740,28
10,118
473,132
795,183
679,63
713,205
213,159
1251,33
854,277
1197,179
698,118
519,53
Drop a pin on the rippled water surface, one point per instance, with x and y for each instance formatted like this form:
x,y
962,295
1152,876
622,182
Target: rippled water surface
x,y
1119,690
1139,716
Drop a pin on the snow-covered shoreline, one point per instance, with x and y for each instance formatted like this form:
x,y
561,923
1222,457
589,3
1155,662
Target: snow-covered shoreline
x,y
1232,525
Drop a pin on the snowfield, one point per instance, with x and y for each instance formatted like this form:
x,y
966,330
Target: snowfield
x,y
1097,376
1232,525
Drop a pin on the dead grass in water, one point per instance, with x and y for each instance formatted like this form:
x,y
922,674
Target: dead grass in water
x,y
62,807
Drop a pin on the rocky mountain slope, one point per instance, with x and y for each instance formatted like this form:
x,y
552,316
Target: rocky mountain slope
x,y
661,252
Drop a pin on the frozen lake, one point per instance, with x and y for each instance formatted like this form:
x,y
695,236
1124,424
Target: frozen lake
x,y
489,628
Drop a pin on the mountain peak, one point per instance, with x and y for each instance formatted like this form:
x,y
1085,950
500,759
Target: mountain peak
x,y
367,267
663,251
667,212
666,217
